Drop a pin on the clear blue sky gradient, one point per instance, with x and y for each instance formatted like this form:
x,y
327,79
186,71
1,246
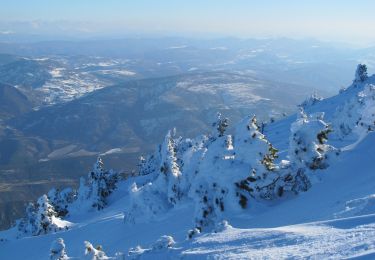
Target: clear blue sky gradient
x,y
341,19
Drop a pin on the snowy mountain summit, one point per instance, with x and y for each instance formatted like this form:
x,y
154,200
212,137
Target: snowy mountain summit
x,y
301,187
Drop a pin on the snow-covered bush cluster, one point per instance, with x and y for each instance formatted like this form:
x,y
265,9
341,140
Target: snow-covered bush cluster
x,y
225,173
47,214
219,173
58,252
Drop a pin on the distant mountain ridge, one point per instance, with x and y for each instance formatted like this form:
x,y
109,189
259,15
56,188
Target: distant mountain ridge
x,y
12,102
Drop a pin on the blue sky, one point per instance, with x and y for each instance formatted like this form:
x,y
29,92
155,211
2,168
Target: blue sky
x,y
347,20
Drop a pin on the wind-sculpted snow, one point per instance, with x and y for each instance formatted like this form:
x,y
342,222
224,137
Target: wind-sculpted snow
x,y
230,196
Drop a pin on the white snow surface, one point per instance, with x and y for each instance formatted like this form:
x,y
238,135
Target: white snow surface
x,y
334,219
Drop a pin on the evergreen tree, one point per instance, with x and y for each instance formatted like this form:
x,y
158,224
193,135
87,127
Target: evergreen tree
x,y
361,73
45,216
60,200
220,125
307,145
100,184
253,149
41,218
27,225
170,171
366,107
149,165
210,205
213,183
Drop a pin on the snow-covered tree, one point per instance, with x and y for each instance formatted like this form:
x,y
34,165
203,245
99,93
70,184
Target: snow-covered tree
x,y
361,73
92,253
366,100
312,100
57,251
220,125
26,225
148,165
170,176
45,217
99,185
41,218
258,154
213,182
60,200
355,113
233,171
307,144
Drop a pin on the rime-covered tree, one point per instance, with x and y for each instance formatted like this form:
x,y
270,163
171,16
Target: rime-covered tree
x,y
233,171
366,107
41,218
27,225
57,251
99,185
45,217
220,125
258,154
170,175
60,200
168,187
307,144
149,165
213,182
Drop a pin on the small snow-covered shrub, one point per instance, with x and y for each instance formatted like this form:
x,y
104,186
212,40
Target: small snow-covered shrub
x,y
312,100
193,232
163,244
222,226
57,251
92,253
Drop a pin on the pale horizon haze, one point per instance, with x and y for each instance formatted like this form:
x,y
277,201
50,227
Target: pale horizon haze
x,y
334,20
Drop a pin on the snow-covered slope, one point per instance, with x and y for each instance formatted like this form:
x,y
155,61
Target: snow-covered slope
x,y
318,202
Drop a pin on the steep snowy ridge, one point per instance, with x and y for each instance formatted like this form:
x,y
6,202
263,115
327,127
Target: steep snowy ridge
x,y
226,196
